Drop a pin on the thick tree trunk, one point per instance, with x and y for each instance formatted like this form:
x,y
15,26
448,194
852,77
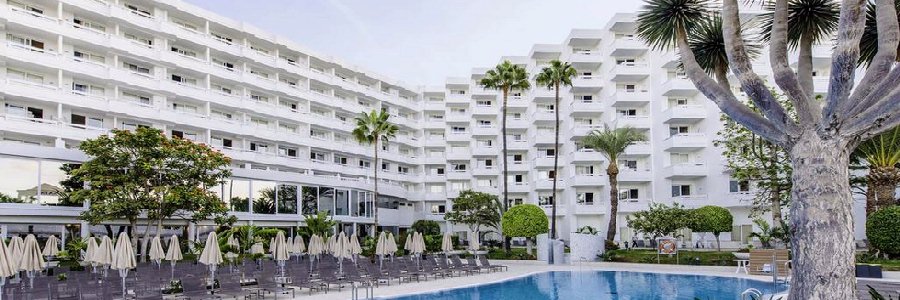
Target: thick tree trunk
x,y
882,186
821,220
613,172
775,200
506,240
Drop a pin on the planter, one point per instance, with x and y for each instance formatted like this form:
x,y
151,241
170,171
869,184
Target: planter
x,y
543,244
868,271
741,255
585,247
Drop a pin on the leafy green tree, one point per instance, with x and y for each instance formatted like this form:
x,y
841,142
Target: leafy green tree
x,y
69,185
755,160
426,227
374,129
475,210
713,219
612,143
143,171
883,230
660,220
882,157
505,77
820,138
524,220
557,74
4,198
320,224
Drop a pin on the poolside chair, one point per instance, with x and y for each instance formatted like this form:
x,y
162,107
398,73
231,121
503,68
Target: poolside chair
x,y
265,284
429,266
194,287
445,266
457,264
231,286
301,279
62,290
485,263
373,274
470,262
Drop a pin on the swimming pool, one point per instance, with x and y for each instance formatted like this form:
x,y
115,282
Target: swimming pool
x,y
604,285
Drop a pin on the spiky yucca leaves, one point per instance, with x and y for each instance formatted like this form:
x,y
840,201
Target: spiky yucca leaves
x,y
868,45
882,155
708,44
660,20
816,18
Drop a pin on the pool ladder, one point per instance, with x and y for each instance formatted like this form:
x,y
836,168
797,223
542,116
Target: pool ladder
x,y
369,291
751,294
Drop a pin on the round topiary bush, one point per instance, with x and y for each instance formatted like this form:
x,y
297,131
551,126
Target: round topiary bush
x,y
883,230
525,220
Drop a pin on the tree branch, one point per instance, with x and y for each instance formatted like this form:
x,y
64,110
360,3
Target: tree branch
x,y
751,83
723,98
783,74
878,81
877,119
843,61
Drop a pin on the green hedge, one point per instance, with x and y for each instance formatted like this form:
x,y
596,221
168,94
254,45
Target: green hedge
x,y
883,230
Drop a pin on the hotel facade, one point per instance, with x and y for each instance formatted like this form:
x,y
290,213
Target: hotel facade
x,y
71,70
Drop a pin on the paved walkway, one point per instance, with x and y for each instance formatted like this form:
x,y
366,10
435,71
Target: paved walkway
x,y
524,268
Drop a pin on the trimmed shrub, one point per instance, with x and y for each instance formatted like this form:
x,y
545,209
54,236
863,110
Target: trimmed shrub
x,y
426,227
711,219
883,230
525,220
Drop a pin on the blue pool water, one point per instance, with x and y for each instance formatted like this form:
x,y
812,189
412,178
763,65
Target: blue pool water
x,y
604,285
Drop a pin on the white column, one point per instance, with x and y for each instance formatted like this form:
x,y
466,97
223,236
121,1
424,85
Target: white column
x,y
85,229
4,231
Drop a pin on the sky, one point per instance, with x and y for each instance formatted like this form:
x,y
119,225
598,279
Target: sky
x,y
421,42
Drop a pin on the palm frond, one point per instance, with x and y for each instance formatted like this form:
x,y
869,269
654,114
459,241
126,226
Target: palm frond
x,y
659,20
708,43
816,18
506,76
374,126
612,142
882,150
557,73
868,44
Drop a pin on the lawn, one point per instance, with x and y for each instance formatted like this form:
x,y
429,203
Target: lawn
x,y
701,258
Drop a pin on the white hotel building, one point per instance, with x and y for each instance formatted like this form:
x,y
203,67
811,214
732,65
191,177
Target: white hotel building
x,y
71,70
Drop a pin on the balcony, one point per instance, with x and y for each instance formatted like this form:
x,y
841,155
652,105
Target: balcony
x,y
630,72
517,124
679,86
435,142
543,162
639,149
640,122
459,175
685,142
635,175
543,116
627,47
587,84
429,196
685,171
486,110
684,114
435,106
634,205
483,130
581,130
517,102
459,154
485,151
587,156
458,98
435,160
547,184
630,98
458,118
486,171
542,92
585,180
690,201
586,58
459,137
545,137
434,124
591,107
590,209
435,178
518,187
517,145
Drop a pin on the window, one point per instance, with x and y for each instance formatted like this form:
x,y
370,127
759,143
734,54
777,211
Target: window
x,y
438,171
286,151
260,50
222,38
585,198
629,164
139,10
459,185
549,152
221,142
259,73
438,209
92,122
739,186
84,56
459,167
517,179
259,98
259,147
681,190
485,123
140,40
25,76
27,7
517,158
402,169
676,130
183,51
25,42
180,107
435,188
457,92
224,64
139,99
87,89
181,79
341,160
317,156
458,129
486,183
627,112
630,194
365,164
135,68
545,200
287,127
484,103
680,158
630,88
584,170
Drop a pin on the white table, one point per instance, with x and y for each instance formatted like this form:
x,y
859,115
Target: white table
x,y
742,265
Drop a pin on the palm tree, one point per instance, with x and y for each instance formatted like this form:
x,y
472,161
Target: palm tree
x,y
374,128
505,77
882,155
553,76
708,43
612,143
868,44
809,22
